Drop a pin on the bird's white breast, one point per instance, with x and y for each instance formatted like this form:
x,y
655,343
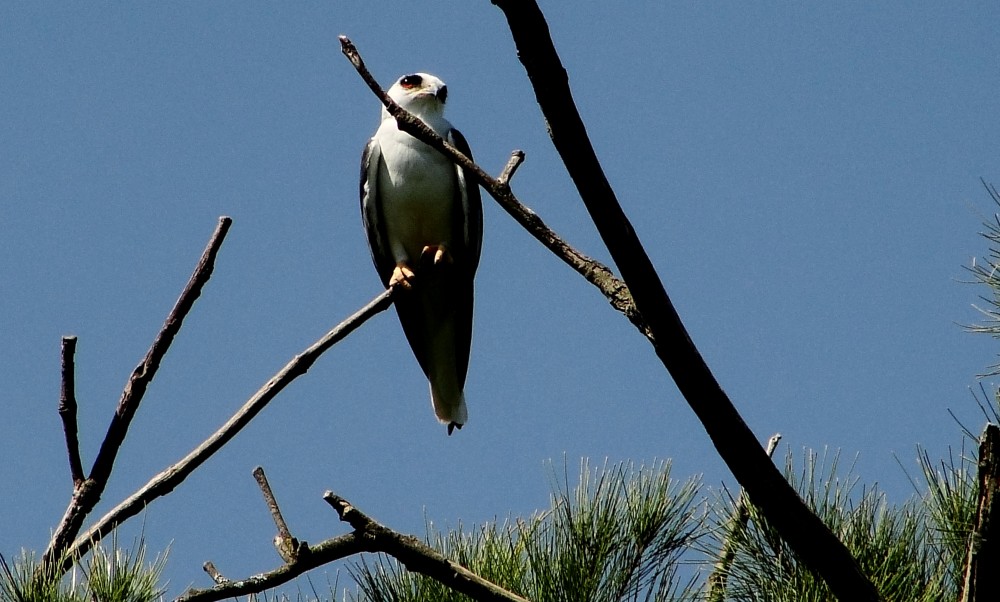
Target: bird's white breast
x,y
417,189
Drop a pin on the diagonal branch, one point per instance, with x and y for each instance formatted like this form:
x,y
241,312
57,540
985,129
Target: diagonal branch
x,y
818,547
88,493
815,544
165,482
325,552
417,556
593,271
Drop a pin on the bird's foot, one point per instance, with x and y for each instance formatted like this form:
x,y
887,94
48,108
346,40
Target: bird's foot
x,y
437,254
402,277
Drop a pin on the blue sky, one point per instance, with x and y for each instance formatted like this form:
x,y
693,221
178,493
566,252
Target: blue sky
x,y
805,177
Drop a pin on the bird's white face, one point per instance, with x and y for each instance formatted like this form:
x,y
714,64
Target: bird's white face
x,y
420,94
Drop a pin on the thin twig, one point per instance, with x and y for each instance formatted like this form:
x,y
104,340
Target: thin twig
x,y
86,496
67,410
214,573
515,161
170,478
288,546
594,271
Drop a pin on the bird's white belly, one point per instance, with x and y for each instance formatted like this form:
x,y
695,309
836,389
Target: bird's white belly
x,y
417,186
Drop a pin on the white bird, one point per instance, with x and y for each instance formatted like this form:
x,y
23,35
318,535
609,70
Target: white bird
x,y
424,222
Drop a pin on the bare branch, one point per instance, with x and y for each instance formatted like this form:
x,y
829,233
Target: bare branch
x,y
515,161
88,493
818,547
67,410
323,553
593,271
417,556
214,573
815,544
170,478
288,547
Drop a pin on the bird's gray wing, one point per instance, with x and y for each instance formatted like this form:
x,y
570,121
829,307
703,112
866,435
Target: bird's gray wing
x,y
470,221
372,214
469,207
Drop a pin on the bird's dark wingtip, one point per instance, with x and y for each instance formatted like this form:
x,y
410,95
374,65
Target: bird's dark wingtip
x,y
452,426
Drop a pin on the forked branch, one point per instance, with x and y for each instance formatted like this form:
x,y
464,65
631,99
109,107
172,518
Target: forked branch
x,y
165,482
87,492
368,536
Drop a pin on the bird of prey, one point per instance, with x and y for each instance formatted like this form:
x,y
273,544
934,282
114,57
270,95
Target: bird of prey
x,y
424,221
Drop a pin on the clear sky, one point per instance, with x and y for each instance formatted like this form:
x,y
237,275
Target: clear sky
x,y
805,177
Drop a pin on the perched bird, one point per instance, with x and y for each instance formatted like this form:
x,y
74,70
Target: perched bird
x,y
424,221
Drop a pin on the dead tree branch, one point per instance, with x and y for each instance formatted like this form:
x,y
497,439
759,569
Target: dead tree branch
x,y
67,410
593,271
165,482
288,547
368,536
815,544
88,492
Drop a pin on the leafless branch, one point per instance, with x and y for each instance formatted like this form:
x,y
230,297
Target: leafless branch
x,y
214,573
818,547
170,478
815,544
88,493
67,410
417,556
593,271
325,552
368,536
288,547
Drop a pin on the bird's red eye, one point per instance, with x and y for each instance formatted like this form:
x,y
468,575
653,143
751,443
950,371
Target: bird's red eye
x,y
411,81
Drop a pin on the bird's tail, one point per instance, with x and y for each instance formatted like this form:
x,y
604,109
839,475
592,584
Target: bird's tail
x,y
448,400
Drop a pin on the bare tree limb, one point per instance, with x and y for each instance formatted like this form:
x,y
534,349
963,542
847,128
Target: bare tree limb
x,y
88,493
368,536
593,271
67,410
325,552
214,573
417,556
815,544
982,580
288,547
165,482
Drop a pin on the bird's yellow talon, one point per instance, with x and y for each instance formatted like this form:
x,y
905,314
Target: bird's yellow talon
x,y
402,276
438,253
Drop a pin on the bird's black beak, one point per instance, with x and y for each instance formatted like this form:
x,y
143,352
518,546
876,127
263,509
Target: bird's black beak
x,y
442,94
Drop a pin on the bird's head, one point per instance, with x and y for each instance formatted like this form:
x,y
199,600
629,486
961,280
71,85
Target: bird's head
x,y
419,93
